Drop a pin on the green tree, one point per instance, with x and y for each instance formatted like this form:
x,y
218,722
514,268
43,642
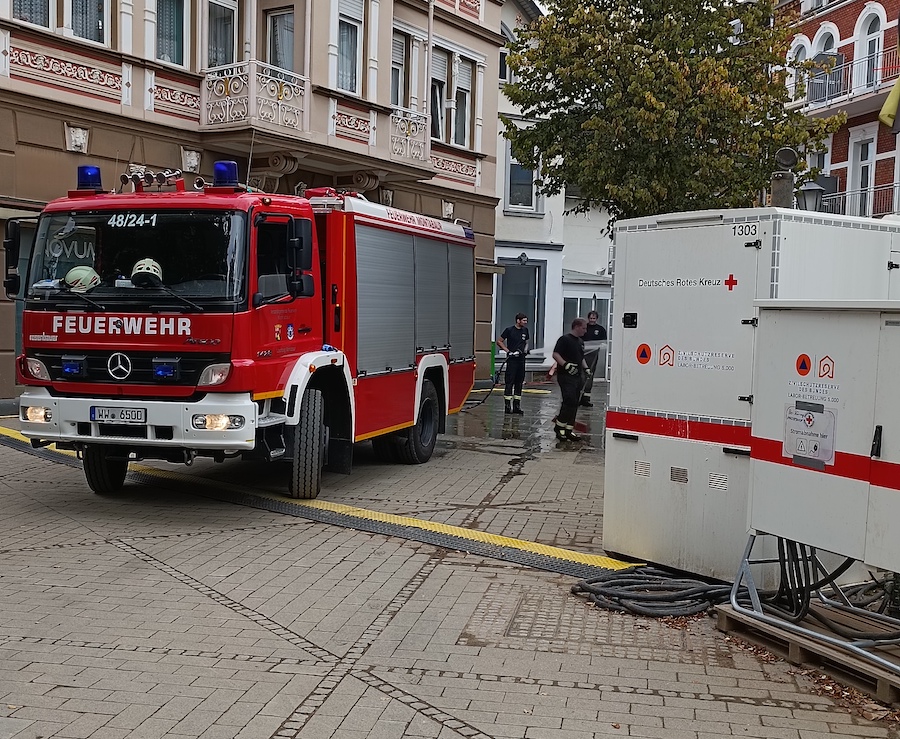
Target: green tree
x,y
654,106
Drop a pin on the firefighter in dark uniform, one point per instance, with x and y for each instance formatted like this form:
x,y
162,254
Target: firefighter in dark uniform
x,y
571,371
594,332
514,341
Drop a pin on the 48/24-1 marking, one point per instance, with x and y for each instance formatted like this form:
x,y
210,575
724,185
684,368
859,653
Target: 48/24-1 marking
x,y
130,220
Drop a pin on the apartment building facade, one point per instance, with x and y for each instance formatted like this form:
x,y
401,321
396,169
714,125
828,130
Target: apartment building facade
x,y
394,99
856,42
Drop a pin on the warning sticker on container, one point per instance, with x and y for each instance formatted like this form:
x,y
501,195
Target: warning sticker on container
x,y
809,432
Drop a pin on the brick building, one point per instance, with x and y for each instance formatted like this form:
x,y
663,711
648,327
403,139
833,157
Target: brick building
x,y
859,40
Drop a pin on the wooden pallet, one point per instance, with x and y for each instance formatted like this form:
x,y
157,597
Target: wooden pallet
x,y
800,649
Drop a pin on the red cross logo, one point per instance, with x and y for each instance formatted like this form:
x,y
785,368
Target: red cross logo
x,y
731,282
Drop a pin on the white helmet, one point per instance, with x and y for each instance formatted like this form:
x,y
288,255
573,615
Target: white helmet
x,y
146,272
81,278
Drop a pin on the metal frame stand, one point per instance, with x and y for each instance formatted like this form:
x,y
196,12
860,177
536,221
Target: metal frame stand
x,y
839,602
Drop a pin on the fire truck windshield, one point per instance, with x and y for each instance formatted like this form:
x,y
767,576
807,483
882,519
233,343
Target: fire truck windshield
x,y
196,255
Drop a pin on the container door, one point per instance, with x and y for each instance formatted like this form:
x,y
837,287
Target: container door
x,y
894,274
882,543
683,311
813,416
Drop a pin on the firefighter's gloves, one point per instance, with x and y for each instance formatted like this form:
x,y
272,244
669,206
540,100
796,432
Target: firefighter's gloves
x,y
510,355
588,372
571,368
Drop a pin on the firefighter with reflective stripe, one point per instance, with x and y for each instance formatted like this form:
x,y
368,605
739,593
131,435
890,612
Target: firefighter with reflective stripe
x,y
571,371
514,341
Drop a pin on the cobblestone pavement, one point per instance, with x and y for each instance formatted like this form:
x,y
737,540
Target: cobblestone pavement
x,y
158,613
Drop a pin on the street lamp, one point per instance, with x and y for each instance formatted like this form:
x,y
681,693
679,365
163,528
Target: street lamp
x,y
809,196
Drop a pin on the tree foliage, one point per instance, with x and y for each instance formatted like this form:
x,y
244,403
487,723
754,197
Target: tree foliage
x,y
653,106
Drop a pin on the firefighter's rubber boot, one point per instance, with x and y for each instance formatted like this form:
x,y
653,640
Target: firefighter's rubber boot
x,y
586,401
572,436
517,407
507,409
560,431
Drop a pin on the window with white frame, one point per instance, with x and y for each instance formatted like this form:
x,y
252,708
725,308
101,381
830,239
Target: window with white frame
x,y
89,20
795,74
280,30
463,112
451,98
521,188
871,51
505,72
221,32
399,89
33,11
440,70
170,31
350,35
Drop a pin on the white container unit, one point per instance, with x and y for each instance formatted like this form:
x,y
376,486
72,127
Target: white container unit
x,y
683,326
825,468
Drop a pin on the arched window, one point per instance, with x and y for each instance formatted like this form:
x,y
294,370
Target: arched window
x,y
795,75
829,81
872,51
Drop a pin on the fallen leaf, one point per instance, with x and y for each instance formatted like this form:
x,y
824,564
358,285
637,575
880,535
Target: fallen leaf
x,y
616,726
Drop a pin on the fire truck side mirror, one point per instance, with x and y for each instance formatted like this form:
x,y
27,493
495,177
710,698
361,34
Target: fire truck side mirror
x,y
300,244
11,279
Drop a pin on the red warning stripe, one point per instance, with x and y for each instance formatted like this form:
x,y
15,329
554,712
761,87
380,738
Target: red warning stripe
x,y
851,466
716,433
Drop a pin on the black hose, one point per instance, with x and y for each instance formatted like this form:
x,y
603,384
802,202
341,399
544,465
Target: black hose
x,y
496,381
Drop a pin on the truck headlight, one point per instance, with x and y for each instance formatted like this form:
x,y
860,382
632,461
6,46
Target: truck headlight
x,y
215,374
37,369
36,414
217,421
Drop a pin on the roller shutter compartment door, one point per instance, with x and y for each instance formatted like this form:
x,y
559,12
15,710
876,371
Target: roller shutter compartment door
x,y
432,294
462,301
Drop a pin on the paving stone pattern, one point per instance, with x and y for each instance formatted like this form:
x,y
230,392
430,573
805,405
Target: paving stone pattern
x,y
156,613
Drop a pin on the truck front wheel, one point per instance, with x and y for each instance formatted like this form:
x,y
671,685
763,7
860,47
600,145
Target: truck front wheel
x,y
103,474
417,442
306,447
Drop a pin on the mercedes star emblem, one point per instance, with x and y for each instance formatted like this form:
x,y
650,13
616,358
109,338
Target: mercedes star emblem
x,y
118,366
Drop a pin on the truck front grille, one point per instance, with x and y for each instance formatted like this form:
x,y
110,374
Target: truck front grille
x,y
189,366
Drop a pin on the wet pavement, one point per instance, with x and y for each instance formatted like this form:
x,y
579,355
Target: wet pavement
x,y
170,610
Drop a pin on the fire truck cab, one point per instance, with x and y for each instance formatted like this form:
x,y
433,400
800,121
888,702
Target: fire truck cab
x,y
168,323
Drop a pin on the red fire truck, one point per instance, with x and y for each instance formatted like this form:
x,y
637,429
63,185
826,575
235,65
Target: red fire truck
x,y
169,323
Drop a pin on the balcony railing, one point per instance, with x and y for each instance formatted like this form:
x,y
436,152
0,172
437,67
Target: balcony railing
x,y
852,78
875,201
409,135
253,92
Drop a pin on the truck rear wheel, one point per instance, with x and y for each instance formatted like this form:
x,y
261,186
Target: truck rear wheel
x,y
306,447
104,475
416,443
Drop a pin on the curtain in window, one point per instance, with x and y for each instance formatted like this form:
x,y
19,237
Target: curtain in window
x,y
348,53
87,19
170,31
221,35
281,40
32,11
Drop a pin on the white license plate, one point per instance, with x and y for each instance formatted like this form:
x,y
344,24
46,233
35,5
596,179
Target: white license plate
x,y
118,415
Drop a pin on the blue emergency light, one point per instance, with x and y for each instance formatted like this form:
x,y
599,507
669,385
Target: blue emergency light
x,y
73,367
225,174
89,177
165,369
